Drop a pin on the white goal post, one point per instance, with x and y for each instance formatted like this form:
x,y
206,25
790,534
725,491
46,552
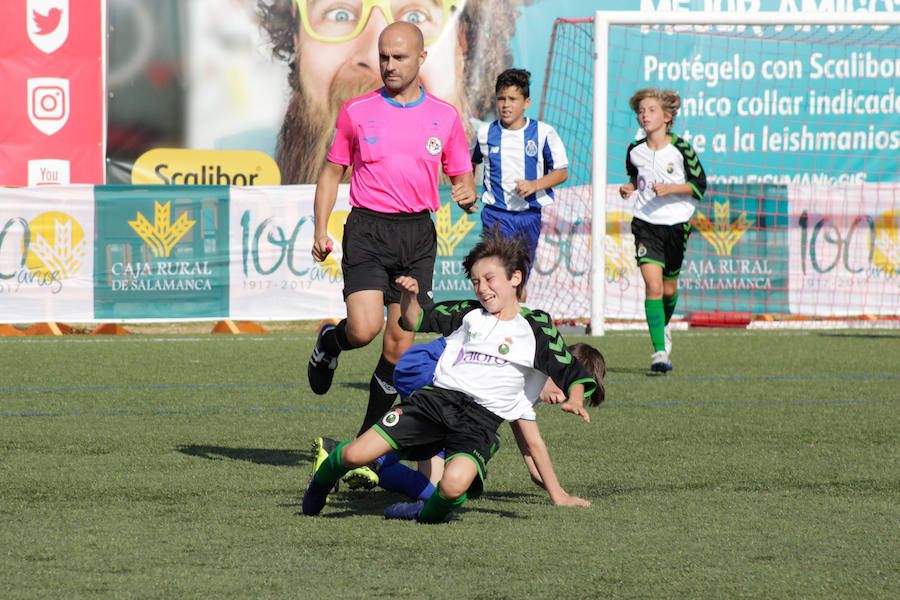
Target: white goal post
x,y
679,22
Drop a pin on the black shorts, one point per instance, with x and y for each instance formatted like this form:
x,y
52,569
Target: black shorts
x,y
663,245
434,419
379,247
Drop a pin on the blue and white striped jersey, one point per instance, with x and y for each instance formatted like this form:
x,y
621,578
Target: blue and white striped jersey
x,y
512,154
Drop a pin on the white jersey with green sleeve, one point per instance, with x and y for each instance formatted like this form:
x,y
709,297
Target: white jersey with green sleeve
x,y
676,163
503,365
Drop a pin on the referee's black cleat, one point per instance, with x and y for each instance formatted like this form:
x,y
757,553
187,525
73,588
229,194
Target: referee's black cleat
x,y
320,369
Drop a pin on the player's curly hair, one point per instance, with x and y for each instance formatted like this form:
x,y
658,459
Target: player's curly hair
x,y
488,26
511,251
593,362
670,101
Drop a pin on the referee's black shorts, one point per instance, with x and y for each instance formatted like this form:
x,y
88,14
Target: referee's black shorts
x,y
379,247
434,419
663,245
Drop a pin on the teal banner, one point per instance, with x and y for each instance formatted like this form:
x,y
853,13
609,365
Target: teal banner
x,y
738,252
457,233
161,252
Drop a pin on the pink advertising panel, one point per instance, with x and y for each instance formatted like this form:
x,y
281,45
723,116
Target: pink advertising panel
x,y
52,68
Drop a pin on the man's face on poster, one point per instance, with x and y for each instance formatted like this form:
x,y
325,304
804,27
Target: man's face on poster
x,y
337,46
332,49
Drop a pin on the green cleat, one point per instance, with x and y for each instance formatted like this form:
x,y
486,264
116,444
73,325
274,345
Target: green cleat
x,y
364,477
321,448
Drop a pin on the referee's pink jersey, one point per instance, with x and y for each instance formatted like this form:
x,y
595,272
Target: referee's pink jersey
x,y
397,150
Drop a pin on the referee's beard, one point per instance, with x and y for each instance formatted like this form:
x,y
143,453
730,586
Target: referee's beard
x,y
307,130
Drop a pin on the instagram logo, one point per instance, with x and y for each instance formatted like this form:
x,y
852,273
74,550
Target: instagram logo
x,y
48,103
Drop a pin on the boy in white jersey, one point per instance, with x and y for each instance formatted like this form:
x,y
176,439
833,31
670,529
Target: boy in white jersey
x,y
667,180
498,357
523,159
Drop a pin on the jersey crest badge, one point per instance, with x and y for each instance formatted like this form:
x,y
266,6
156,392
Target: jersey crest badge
x,y
642,250
391,419
530,148
433,145
671,168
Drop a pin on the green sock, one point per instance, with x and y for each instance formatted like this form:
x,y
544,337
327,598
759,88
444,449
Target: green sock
x,y
331,470
437,507
656,322
669,306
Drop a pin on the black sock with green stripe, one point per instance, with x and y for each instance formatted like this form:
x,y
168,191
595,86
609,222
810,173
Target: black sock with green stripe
x,y
331,469
437,507
656,322
669,306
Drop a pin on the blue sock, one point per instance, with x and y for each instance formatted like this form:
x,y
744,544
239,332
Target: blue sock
x,y
395,476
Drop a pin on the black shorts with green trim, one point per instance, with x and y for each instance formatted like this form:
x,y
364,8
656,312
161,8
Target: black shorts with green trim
x,y
434,419
663,245
379,247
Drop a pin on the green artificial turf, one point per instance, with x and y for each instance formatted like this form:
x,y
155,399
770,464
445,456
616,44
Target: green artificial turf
x,y
172,466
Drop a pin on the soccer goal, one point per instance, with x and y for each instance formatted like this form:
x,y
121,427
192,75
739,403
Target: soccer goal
x,y
796,119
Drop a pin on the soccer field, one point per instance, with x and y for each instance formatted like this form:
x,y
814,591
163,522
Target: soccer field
x,y
171,466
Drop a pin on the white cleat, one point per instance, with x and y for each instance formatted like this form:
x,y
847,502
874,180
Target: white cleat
x,y
660,363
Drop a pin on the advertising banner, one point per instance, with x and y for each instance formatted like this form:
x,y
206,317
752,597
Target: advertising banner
x,y
52,66
273,274
737,256
736,259
844,250
130,253
161,252
46,254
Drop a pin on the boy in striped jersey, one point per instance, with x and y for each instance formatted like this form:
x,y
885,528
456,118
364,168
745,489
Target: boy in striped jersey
x,y
523,159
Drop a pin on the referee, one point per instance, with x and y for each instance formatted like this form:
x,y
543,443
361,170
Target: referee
x,y
396,139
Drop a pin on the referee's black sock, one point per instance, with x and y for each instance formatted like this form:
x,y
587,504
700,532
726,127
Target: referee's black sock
x,y
336,340
381,393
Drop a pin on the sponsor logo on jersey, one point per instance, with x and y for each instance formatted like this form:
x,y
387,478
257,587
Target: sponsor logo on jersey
x,y
479,358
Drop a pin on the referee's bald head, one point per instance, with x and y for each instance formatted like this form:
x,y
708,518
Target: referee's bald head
x,y
407,30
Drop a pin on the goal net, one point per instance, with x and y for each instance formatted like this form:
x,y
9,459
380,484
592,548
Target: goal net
x,y
797,124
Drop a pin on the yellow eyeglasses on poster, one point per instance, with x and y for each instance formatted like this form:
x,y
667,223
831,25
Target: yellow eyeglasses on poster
x,y
342,20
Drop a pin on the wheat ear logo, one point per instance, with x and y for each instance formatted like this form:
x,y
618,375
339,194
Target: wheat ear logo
x,y
721,234
886,250
163,234
332,263
619,244
58,245
450,234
